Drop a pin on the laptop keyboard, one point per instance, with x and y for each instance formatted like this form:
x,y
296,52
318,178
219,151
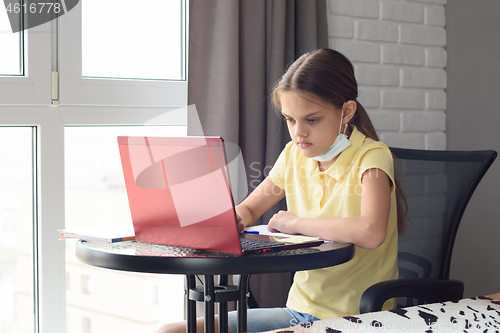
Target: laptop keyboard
x,y
248,244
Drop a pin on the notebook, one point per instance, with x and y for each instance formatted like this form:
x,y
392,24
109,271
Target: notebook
x,y
180,195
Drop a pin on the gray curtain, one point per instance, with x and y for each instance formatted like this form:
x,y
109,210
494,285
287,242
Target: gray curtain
x,y
238,49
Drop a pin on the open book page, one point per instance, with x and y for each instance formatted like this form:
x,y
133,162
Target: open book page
x,y
101,234
262,230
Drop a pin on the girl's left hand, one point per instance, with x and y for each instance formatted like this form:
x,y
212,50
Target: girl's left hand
x,y
283,221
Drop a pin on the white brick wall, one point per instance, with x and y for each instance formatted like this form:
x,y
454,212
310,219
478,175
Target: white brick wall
x,y
398,51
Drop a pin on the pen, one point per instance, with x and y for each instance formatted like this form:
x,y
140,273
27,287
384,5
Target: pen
x,y
250,232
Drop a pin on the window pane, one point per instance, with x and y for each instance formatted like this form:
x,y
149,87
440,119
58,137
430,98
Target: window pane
x,y
101,300
133,39
10,46
16,230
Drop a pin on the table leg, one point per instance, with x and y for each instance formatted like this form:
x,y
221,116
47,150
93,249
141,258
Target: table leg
x,y
209,304
223,322
242,304
191,305
222,295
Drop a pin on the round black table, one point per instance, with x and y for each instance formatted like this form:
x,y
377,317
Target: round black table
x,y
148,258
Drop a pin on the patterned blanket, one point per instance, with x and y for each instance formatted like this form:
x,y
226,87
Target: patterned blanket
x,y
476,314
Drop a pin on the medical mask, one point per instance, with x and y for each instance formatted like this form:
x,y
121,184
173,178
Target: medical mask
x,y
340,144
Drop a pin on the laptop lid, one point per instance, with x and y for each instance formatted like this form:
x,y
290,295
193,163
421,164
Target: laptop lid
x,y
179,192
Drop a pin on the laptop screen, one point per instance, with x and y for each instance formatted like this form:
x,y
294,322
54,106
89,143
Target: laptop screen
x,y
179,192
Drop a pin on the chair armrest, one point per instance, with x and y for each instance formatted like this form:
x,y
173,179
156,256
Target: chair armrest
x,y
426,290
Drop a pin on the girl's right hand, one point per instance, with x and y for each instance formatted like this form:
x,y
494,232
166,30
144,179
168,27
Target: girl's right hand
x,y
243,217
266,195
241,223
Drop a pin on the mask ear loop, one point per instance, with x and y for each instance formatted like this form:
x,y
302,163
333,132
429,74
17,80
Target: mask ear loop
x,y
342,117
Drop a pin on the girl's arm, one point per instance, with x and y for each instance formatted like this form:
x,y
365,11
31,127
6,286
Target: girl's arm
x,y
366,231
266,195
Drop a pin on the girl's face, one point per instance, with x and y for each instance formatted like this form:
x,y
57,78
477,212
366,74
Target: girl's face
x,y
312,123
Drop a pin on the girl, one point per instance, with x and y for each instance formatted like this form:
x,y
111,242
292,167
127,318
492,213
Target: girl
x,y
339,185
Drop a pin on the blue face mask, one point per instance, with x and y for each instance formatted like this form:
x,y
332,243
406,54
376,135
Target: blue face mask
x,y
339,145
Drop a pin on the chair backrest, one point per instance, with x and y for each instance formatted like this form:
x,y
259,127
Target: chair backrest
x,y
438,186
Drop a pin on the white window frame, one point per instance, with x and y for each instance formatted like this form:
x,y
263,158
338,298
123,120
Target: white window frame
x,y
77,90
27,101
33,88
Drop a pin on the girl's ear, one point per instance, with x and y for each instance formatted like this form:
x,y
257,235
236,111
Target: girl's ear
x,y
350,108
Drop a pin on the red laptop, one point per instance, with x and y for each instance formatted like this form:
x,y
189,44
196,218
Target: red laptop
x,y
180,195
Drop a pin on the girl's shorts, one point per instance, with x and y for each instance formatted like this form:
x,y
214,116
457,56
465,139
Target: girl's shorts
x,y
267,319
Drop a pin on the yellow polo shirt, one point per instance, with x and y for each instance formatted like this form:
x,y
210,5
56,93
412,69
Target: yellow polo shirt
x,y
335,291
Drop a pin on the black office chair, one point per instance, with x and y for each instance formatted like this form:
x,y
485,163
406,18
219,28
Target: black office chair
x,y
438,186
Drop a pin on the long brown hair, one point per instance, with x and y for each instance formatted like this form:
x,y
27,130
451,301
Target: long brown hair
x,y
329,75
